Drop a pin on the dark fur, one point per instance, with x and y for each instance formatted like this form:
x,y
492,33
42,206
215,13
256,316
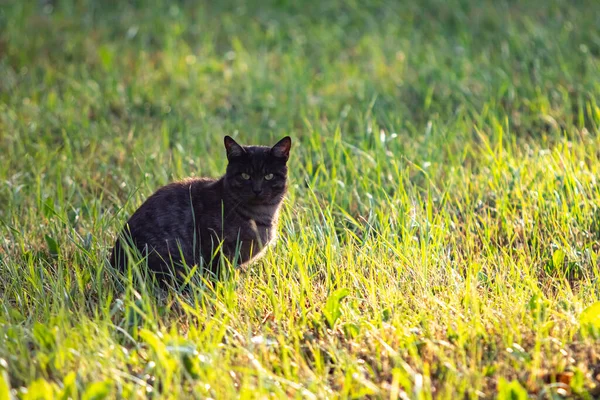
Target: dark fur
x,y
188,221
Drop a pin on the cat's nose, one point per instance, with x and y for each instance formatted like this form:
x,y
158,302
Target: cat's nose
x,y
257,191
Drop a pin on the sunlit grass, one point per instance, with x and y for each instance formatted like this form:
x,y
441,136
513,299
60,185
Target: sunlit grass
x,y
440,237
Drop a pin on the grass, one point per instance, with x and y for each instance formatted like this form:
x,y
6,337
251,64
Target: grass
x,y
441,234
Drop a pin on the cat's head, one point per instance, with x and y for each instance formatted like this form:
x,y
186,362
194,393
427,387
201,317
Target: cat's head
x,y
257,174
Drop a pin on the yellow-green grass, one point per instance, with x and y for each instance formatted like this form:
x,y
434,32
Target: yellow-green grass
x,y
441,234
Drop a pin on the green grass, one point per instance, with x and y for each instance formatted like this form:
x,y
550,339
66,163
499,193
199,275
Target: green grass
x,y
441,234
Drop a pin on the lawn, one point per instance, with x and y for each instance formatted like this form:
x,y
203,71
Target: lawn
x,y
441,234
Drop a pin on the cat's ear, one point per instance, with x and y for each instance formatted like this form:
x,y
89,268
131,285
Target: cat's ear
x,y
282,148
233,149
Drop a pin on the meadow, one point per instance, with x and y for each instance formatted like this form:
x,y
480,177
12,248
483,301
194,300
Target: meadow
x,y
440,237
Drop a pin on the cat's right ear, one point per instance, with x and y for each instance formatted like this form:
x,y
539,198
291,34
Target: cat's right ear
x,y
233,149
282,148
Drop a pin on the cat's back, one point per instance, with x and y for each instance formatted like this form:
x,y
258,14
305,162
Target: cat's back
x,y
168,217
177,190
175,203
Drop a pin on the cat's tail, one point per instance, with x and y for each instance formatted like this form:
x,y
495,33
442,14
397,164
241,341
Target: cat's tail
x,y
118,257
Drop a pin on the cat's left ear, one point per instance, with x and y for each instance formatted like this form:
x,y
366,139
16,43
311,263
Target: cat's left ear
x,y
282,148
233,149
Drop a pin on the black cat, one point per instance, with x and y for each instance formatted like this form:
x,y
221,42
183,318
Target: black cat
x,y
197,221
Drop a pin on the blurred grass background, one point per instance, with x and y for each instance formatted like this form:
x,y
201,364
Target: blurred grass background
x,y
441,234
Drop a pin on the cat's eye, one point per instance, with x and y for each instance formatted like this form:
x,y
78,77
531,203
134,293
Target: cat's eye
x,y
268,177
245,176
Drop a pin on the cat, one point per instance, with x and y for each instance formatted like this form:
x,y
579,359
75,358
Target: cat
x,y
198,221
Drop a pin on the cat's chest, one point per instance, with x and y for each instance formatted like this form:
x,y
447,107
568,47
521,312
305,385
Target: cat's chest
x,y
244,231
250,230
